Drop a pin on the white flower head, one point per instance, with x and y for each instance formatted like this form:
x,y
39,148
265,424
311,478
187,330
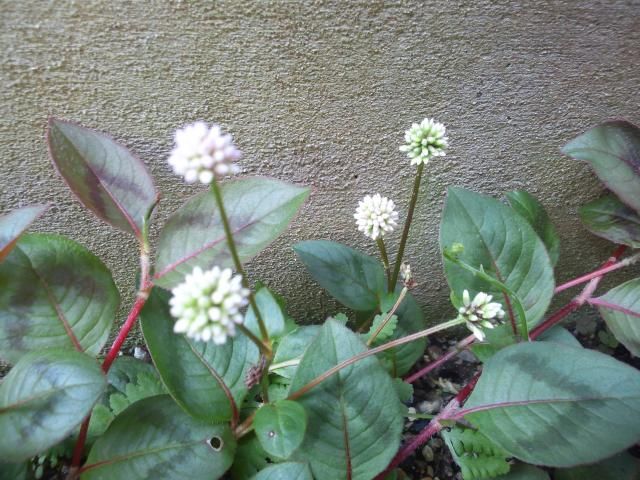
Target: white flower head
x,y
480,313
425,140
207,304
376,215
405,272
202,153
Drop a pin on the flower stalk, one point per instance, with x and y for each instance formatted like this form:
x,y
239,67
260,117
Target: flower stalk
x,y
407,226
385,262
264,345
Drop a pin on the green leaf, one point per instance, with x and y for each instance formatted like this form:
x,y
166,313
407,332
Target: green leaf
x,y
503,244
280,427
259,210
410,320
386,332
129,380
250,458
13,224
43,398
154,438
107,178
625,326
272,315
477,456
533,212
14,471
403,389
354,279
292,346
560,335
609,218
201,376
522,471
549,404
285,471
355,417
54,293
613,151
620,467
126,371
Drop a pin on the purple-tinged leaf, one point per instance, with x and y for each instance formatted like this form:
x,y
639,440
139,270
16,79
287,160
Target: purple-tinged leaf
x,y
107,178
154,438
259,210
54,293
613,151
550,404
45,396
609,218
620,308
14,223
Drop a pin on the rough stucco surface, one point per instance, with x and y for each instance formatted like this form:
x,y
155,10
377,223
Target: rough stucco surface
x,y
320,93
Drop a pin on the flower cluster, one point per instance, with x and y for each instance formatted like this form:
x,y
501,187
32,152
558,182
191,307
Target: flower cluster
x,y
376,215
425,140
480,313
202,153
207,304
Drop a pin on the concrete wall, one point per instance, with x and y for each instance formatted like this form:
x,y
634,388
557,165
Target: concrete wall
x,y
320,93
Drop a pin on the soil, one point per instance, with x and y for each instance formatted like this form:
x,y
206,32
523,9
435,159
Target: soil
x,y
433,461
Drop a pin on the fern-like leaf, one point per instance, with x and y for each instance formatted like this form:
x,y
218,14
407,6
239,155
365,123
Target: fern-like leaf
x,y
477,456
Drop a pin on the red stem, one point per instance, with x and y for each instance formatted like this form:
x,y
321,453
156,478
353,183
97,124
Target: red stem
x,y
126,328
448,411
442,360
143,294
609,266
555,318
434,427
598,302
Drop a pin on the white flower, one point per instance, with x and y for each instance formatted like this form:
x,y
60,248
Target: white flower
x,y
376,215
480,313
405,272
207,304
425,140
202,153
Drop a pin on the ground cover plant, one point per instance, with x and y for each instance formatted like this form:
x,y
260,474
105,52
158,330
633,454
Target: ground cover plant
x,y
236,387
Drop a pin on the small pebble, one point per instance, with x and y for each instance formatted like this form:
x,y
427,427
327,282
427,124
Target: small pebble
x,y
467,356
139,353
427,453
435,443
410,413
434,351
430,406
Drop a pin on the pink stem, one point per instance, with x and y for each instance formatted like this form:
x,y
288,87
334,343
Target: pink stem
x,y
619,308
442,360
605,268
449,410
434,427
124,331
143,294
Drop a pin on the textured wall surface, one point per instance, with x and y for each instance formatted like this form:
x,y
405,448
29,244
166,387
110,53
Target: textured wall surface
x,y
320,93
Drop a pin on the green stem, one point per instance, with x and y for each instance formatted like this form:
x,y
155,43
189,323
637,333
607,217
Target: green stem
x,y
215,188
392,344
407,226
385,262
264,349
372,338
